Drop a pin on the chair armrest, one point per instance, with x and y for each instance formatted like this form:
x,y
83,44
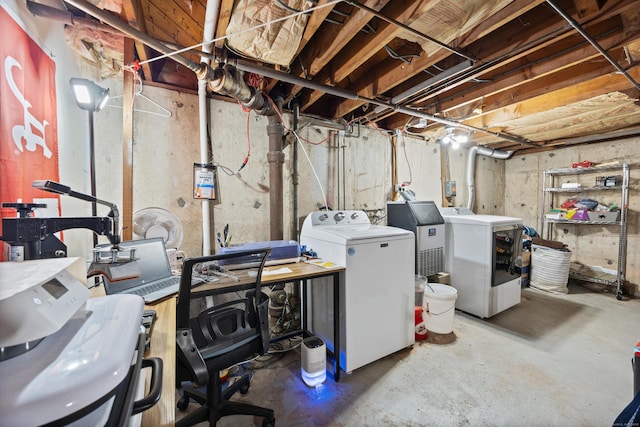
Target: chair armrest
x,y
188,354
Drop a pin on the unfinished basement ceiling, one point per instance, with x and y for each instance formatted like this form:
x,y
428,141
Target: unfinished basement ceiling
x,y
520,75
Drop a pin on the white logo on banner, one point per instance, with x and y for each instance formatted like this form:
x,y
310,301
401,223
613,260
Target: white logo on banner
x,y
25,132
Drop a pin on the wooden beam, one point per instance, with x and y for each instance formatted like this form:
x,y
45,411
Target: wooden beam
x,y
326,44
226,7
519,36
392,74
460,103
126,214
587,7
554,93
364,46
562,97
313,24
132,11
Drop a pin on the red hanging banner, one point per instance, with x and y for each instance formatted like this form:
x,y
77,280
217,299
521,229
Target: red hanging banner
x,y
28,116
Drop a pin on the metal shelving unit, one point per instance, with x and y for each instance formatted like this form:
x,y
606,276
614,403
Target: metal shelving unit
x,y
550,188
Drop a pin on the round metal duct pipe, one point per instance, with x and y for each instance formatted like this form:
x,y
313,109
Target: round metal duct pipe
x,y
471,168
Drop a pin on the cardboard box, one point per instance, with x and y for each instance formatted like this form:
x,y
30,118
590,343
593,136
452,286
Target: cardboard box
x,y
604,216
441,277
548,243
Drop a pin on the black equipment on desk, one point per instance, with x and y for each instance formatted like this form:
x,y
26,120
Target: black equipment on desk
x,y
36,235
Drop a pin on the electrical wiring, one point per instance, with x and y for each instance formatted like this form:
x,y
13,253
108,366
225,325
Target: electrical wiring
x,y
324,197
404,149
373,124
282,349
228,171
281,4
243,362
277,110
246,159
393,54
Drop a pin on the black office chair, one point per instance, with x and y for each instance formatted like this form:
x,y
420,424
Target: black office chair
x,y
221,336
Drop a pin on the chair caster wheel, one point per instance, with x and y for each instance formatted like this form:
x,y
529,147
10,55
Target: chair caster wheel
x,y
183,403
269,422
244,389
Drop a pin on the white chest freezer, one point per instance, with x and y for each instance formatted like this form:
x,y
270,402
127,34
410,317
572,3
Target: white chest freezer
x,y
481,252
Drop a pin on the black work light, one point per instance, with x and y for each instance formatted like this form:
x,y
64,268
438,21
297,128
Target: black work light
x,y
88,95
91,98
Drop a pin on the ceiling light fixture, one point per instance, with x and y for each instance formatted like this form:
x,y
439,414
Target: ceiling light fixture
x,y
455,137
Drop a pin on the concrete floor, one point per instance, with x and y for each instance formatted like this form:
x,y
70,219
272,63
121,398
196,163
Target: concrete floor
x,y
549,361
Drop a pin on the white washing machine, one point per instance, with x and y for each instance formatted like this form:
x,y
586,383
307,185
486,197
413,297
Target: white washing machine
x,y
377,290
481,252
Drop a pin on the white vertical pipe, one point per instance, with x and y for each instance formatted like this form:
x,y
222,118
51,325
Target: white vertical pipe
x,y
471,168
210,20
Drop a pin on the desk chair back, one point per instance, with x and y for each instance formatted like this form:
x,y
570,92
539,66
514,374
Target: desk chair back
x,y
226,333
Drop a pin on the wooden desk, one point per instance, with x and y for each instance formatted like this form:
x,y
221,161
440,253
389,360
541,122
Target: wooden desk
x,y
163,334
302,271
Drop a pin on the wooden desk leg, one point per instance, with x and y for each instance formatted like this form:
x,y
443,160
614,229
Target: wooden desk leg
x,y
336,325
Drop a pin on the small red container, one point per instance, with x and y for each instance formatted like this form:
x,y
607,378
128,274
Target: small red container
x,y
421,329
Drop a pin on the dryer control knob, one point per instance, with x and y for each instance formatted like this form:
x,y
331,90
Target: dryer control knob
x,y
339,216
354,215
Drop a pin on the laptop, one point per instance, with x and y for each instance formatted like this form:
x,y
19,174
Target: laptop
x,y
148,276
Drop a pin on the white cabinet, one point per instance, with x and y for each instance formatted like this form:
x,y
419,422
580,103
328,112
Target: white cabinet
x,y
599,181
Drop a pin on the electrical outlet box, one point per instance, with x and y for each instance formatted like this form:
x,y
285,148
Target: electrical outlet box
x,y
449,188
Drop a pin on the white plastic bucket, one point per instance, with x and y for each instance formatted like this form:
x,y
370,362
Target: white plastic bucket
x,y
439,307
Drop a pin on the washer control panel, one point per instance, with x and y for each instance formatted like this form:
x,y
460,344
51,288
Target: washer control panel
x,y
348,217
